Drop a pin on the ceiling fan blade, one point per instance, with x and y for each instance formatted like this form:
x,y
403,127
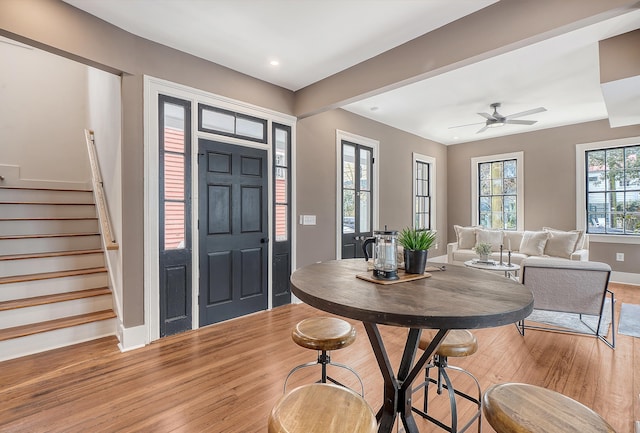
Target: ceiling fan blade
x,y
468,124
484,128
487,116
526,113
520,122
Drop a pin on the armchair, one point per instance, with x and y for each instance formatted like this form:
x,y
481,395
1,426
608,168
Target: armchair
x,y
578,287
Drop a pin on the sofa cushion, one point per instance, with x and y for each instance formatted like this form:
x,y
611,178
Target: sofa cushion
x,y
533,243
561,244
579,241
512,240
493,237
466,237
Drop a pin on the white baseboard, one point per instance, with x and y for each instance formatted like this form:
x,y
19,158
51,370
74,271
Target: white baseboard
x,y
132,338
625,278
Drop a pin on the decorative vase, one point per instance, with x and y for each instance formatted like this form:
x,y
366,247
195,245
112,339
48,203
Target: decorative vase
x,y
415,261
484,257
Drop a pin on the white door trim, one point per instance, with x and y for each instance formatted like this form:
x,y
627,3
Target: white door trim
x,y
153,87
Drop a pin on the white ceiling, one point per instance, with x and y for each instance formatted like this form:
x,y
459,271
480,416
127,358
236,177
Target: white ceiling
x,y
313,39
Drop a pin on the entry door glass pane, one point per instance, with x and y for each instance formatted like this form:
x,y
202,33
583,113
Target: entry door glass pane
x,y
365,211
174,175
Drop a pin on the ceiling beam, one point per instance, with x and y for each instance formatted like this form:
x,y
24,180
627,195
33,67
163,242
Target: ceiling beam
x,y
496,29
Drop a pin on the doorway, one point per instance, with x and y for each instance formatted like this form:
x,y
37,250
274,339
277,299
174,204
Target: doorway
x,y
233,230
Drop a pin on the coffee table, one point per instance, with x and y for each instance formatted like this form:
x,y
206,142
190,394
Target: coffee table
x,y
510,271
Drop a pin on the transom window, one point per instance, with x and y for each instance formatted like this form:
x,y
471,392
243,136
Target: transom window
x,y
231,124
613,190
498,190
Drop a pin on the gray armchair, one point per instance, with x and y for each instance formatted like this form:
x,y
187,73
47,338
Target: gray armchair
x,y
571,287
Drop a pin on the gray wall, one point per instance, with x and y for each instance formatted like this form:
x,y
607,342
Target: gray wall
x,y
44,101
549,183
316,179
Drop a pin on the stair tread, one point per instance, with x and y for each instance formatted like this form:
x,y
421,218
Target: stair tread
x,y
47,275
50,235
52,325
29,188
48,203
51,299
48,218
49,254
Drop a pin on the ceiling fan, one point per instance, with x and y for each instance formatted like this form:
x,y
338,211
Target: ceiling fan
x,y
496,119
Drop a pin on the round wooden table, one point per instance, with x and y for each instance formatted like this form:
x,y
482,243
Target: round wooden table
x,y
457,298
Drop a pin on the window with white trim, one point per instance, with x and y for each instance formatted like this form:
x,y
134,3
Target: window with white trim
x,y
612,190
498,191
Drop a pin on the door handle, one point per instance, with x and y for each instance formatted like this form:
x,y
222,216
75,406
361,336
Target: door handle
x,y
264,240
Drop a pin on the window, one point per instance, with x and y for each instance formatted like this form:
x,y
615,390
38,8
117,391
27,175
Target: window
x,y
281,147
231,124
613,190
498,191
424,168
174,153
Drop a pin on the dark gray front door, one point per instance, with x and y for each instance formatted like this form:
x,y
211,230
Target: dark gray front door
x,y
233,227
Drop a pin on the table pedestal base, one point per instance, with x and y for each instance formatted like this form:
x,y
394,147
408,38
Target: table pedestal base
x,y
397,388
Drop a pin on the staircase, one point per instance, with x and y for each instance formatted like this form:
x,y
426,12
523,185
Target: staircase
x,y
53,280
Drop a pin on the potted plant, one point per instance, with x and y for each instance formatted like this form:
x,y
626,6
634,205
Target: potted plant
x,y
483,249
415,243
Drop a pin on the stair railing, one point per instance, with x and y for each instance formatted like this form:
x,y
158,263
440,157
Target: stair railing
x,y
98,193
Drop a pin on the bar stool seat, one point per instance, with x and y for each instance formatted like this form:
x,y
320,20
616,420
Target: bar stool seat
x,y
324,334
322,408
457,343
523,408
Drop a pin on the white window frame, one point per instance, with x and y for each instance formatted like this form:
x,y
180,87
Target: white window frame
x,y
581,189
364,141
417,157
519,157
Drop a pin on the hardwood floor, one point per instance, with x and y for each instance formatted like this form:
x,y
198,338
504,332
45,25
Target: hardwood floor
x,y
225,378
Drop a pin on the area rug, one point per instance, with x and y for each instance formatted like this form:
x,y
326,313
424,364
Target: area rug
x,y
571,321
629,320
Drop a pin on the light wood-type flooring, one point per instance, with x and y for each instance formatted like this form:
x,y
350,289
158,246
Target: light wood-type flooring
x,y
226,377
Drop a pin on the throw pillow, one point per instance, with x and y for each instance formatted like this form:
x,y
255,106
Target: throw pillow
x,y
579,242
493,237
512,240
466,237
533,243
561,244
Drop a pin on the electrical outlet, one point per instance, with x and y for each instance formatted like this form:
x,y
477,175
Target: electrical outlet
x,y
620,257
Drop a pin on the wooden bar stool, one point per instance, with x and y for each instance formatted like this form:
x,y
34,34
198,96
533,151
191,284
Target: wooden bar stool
x,y
457,343
324,334
322,408
522,408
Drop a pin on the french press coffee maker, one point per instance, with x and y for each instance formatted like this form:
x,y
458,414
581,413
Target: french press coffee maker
x,y
385,254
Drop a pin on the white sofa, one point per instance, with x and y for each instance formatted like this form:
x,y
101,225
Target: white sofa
x,y
548,242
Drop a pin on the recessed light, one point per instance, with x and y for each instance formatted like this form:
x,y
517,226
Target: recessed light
x,y
274,62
